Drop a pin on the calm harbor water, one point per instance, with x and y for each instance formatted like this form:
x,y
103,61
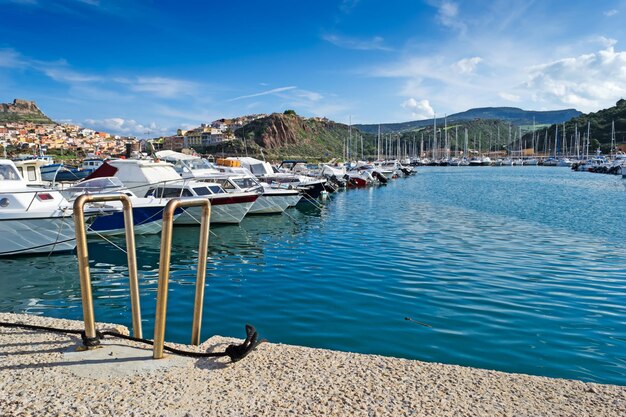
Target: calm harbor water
x,y
519,269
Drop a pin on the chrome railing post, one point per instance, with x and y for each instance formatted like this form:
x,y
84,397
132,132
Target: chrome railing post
x,y
83,260
164,269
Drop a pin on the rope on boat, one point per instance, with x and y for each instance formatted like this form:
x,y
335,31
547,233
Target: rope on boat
x,y
234,352
196,219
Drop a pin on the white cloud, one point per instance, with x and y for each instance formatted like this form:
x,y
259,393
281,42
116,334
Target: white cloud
x,y
375,43
126,127
611,13
264,93
62,73
419,109
586,82
448,15
467,65
309,95
10,59
163,86
510,97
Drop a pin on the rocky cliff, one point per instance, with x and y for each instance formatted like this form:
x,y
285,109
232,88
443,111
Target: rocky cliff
x,y
291,136
22,111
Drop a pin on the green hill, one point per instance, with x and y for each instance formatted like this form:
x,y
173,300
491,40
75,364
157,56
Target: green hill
x,y
513,115
600,126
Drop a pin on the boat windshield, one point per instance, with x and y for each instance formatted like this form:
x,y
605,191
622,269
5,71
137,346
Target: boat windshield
x,y
216,189
8,172
169,192
96,185
202,191
198,164
245,182
211,189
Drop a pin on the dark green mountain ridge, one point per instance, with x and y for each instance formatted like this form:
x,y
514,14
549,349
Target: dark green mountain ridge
x,y
513,115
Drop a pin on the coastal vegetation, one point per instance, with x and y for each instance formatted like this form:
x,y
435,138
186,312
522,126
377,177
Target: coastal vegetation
x,y
600,128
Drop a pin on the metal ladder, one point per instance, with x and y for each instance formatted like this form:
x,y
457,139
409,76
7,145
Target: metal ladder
x,y
164,265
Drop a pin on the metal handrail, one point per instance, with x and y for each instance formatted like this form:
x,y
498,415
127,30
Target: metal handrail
x,y
164,269
83,260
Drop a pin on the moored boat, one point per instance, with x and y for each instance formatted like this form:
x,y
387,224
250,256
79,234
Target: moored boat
x,y
32,221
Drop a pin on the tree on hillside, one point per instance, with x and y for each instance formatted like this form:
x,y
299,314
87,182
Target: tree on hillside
x,y
290,112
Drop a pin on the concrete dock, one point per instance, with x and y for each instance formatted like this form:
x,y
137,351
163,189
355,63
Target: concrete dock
x,y
42,374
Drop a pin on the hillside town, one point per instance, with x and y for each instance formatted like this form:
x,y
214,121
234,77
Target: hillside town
x,y
204,136
39,138
33,138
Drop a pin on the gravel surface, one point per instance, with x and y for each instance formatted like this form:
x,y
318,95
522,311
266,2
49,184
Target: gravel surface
x,y
37,379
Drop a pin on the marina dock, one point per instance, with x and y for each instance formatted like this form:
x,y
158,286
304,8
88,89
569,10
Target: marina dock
x,y
42,374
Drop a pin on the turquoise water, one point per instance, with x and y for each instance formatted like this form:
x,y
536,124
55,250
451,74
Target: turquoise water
x,y
517,269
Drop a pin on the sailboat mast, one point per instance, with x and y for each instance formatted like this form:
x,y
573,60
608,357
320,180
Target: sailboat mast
x,y
612,139
349,136
435,136
445,129
520,142
466,143
577,139
378,143
556,137
564,142
533,140
588,137
456,141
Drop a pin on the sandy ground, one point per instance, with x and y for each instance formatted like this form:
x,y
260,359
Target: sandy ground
x,y
42,375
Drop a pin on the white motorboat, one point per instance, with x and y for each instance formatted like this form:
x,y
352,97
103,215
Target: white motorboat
x,y
270,200
32,220
147,212
311,187
30,170
225,207
160,179
564,162
550,162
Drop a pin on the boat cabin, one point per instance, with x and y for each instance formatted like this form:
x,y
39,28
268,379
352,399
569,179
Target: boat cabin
x,y
185,189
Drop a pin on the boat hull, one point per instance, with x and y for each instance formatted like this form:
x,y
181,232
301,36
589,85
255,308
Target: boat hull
x,y
37,235
223,210
146,220
270,204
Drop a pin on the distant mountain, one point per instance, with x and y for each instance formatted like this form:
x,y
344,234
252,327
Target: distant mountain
x,y
22,111
600,126
513,115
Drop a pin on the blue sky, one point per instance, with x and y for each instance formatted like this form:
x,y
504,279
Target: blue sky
x,y
149,67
